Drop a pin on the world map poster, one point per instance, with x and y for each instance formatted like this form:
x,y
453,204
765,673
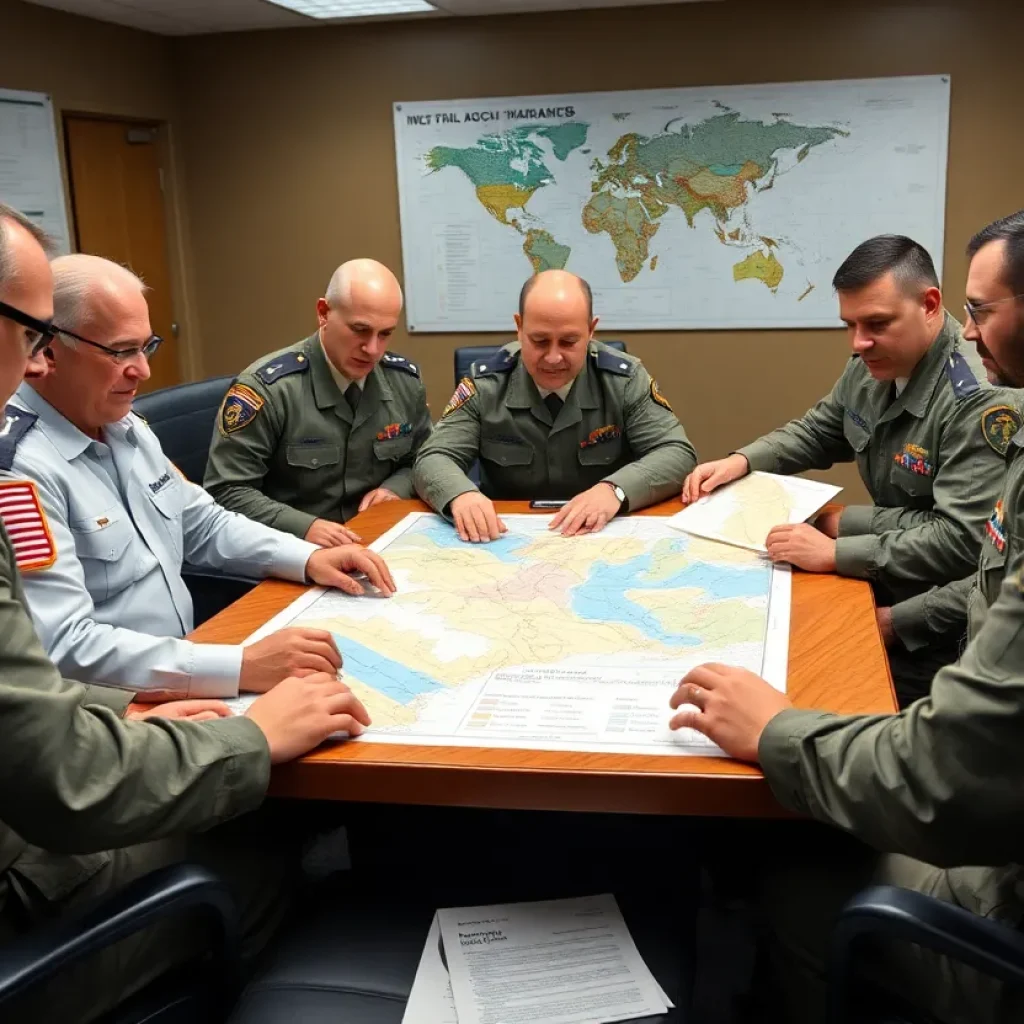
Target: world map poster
x,y
728,207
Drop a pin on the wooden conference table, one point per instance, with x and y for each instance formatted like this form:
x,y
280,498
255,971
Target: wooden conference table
x,y
836,662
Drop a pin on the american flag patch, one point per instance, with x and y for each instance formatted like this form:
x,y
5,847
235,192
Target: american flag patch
x,y
463,393
26,524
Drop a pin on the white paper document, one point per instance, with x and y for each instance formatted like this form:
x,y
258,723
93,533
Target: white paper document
x,y
545,642
568,961
743,513
430,999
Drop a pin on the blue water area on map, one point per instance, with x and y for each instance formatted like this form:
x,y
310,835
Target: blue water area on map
x,y
506,548
602,596
390,678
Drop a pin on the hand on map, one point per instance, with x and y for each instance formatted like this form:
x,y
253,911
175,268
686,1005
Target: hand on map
x,y
731,707
802,545
328,534
299,714
475,518
329,566
184,711
372,498
588,512
709,476
828,522
295,651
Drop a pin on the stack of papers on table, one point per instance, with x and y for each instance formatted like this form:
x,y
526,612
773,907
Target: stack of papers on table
x,y
568,961
743,513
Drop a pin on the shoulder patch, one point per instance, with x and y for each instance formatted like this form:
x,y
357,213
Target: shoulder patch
x,y
960,375
500,362
613,362
240,407
658,396
283,366
463,393
999,423
393,361
27,526
16,424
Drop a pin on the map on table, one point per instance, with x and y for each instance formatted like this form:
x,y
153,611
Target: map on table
x,y
541,641
711,207
744,512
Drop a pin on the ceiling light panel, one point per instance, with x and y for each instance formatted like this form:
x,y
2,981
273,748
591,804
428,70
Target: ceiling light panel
x,y
355,8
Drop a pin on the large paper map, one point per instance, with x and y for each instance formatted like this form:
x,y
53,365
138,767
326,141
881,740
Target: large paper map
x,y
699,207
540,641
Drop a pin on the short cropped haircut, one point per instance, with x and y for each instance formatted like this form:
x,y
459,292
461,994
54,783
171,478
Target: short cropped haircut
x,y
7,215
908,261
524,294
1009,229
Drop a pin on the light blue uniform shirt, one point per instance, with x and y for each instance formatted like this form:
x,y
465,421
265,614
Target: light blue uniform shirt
x,y
113,608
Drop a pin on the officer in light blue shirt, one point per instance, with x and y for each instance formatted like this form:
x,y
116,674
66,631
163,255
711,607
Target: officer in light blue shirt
x,y
108,520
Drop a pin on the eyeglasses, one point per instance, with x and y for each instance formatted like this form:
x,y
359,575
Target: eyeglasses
x,y
973,309
119,355
41,331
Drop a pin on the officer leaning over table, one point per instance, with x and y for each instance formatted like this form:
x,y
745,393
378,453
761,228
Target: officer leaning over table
x,y
554,415
117,520
315,433
928,799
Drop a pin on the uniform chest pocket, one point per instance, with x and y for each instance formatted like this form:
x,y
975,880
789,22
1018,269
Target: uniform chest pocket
x,y
312,456
857,436
601,454
917,485
101,542
392,449
505,453
169,502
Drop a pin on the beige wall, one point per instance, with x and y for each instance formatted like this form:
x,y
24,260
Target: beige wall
x,y
288,151
91,67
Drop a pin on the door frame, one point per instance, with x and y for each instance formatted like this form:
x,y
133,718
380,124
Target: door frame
x,y
183,287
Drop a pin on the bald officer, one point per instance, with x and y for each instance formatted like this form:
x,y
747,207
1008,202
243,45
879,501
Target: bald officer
x,y
314,433
556,415
113,521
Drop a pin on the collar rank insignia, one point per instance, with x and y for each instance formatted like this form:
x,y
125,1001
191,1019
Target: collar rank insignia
x,y
914,458
999,424
240,407
994,529
463,393
23,516
601,436
393,430
658,396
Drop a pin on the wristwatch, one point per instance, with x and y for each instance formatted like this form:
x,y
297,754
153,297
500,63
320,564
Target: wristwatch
x,y
620,494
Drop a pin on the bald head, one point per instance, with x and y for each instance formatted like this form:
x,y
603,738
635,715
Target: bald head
x,y
358,315
558,287
554,324
86,288
360,281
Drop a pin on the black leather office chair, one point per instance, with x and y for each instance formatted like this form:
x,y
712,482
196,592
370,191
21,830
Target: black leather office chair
x,y
352,959
183,419
202,993
465,357
902,915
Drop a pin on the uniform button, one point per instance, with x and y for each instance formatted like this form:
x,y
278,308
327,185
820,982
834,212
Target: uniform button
x,y
314,462
483,367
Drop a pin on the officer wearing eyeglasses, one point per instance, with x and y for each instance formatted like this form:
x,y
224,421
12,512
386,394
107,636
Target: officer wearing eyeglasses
x,y
102,561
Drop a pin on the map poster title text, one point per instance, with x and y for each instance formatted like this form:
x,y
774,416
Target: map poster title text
x,y
480,116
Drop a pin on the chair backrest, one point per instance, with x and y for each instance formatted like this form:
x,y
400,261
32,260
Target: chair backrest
x,y
466,357
183,418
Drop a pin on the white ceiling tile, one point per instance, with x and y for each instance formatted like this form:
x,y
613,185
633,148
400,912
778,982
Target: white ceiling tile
x,y
194,17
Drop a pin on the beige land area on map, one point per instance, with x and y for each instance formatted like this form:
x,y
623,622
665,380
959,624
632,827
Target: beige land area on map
x,y
744,512
523,609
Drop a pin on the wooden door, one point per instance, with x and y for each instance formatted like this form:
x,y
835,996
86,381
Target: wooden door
x,y
117,197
